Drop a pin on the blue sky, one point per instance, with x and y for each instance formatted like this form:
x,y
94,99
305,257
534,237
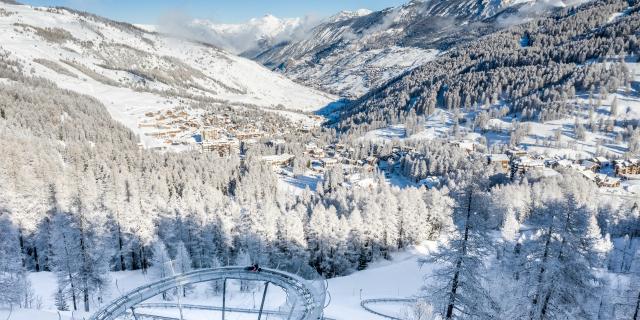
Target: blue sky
x,y
230,11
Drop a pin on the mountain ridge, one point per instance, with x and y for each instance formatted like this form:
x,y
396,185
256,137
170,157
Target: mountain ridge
x,y
133,71
335,56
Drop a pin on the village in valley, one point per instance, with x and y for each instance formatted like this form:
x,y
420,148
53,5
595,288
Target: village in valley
x,y
230,132
222,131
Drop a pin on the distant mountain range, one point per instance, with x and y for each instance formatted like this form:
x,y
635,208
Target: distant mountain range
x,y
352,54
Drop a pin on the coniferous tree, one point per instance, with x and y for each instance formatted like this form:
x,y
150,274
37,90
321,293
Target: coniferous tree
x,y
460,291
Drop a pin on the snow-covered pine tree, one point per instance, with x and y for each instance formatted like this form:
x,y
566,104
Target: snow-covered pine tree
x,y
509,232
13,281
458,291
243,259
557,273
215,287
60,301
65,250
161,263
182,264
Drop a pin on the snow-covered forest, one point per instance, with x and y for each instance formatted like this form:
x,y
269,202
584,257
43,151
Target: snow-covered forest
x,y
535,68
81,198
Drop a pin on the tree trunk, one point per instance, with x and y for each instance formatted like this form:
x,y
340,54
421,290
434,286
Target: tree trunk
x,y
85,267
86,299
545,256
120,245
636,314
134,262
35,258
69,274
456,275
143,257
73,295
545,306
21,239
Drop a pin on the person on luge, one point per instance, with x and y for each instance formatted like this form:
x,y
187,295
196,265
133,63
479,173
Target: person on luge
x,y
254,268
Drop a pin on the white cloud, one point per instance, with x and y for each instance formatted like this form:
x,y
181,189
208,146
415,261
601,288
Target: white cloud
x,y
237,38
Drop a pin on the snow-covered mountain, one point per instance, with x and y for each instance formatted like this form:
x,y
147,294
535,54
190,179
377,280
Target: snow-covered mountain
x,y
254,35
133,71
350,54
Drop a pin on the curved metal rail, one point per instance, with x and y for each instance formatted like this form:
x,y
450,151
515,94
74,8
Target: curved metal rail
x,y
309,297
210,308
168,305
364,304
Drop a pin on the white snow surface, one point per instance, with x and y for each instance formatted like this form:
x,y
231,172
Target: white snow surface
x,y
399,278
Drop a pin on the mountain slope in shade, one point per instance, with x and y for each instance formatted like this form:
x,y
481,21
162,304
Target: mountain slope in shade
x,y
352,55
134,71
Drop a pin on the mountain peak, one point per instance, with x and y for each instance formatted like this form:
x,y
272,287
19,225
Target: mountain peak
x,y
345,15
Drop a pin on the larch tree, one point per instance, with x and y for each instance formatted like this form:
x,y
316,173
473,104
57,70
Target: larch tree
x,y
13,279
161,264
557,269
459,291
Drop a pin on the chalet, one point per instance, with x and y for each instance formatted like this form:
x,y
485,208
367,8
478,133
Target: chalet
x,y
604,181
249,135
516,153
500,159
279,160
525,164
349,161
210,133
430,182
627,167
223,147
315,152
562,163
328,162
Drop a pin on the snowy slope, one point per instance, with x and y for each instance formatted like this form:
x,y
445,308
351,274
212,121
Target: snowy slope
x,y
133,71
402,277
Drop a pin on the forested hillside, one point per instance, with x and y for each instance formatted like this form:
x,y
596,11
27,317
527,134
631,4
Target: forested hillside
x,y
349,55
79,197
533,69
